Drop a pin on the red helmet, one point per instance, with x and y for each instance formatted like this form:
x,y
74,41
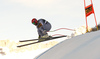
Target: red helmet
x,y
34,21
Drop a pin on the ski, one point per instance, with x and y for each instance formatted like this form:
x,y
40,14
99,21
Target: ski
x,y
51,38
43,38
28,40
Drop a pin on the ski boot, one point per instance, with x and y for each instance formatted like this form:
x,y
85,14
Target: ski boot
x,y
43,38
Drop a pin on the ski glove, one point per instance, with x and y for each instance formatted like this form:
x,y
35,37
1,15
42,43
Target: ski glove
x,y
44,32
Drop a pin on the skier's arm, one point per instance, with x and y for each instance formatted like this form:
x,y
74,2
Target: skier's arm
x,y
41,26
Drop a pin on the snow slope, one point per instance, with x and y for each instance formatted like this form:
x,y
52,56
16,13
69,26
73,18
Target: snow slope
x,y
85,46
9,49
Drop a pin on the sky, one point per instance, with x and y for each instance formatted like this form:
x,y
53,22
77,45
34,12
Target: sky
x,y
16,16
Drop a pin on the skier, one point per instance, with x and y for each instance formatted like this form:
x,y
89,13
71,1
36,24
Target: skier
x,y
43,27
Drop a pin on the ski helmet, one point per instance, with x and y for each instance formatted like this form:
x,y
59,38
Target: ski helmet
x,y
34,21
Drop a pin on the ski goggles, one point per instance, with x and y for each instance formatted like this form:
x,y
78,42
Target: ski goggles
x,y
33,23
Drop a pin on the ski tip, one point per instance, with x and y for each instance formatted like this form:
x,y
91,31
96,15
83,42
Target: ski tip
x,y
21,46
18,46
21,41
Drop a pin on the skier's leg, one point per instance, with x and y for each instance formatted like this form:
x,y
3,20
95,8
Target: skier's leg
x,y
46,27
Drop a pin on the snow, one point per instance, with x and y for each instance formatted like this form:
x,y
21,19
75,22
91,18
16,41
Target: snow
x,y
9,49
24,55
86,46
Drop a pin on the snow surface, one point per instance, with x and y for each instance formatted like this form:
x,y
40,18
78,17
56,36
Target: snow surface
x,y
86,46
24,55
10,50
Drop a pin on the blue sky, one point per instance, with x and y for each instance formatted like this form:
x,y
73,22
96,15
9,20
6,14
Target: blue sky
x,y
16,15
